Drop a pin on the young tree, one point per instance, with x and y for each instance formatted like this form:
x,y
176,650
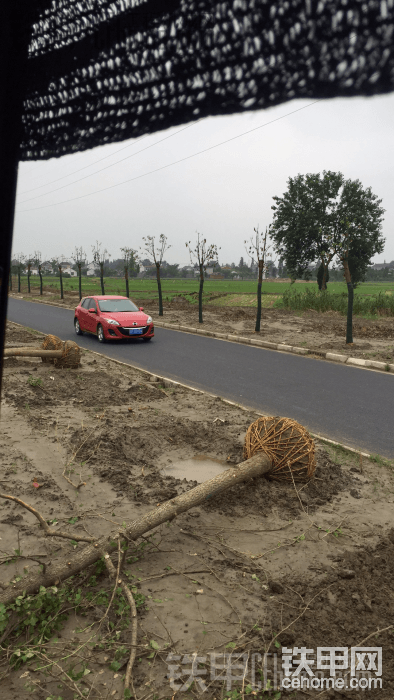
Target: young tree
x,y
157,253
38,262
202,255
130,266
329,218
258,248
20,263
29,263
57,264
99,258
79,259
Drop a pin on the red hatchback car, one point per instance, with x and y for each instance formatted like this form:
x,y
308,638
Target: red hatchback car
x,y
112,318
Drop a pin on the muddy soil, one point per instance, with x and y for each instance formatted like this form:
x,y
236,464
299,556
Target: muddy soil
x,y
262,567
373,337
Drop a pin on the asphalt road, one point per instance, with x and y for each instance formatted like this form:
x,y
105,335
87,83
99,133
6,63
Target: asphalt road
x,y
346,404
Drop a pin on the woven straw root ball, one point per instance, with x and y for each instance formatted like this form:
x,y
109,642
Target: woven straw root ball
x,y
287,444
51,342
71,352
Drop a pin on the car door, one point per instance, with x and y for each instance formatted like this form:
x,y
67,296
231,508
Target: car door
x,y
91,319
83,314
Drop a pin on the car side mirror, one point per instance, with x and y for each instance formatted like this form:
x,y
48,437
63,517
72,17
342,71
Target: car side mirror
x,y
141,308
92,311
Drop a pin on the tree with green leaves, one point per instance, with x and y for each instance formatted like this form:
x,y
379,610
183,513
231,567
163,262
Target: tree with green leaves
x,y
170,271
328,219
99,257
202,255
257,248
130,266
321,273
157,253
79,257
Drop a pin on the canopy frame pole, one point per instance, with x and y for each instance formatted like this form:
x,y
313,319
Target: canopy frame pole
x,y
14,39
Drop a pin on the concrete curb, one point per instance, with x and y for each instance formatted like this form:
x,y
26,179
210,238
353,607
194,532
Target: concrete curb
x,y
167,382
330,356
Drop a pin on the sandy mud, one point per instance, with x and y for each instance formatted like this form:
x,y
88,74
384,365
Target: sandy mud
x,y
261,568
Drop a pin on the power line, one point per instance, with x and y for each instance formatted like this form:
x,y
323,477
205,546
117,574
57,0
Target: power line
x,y
107,166
163,167
84,168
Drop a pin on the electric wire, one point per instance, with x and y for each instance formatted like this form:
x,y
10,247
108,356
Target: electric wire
x,y
168,165
111,165
51,182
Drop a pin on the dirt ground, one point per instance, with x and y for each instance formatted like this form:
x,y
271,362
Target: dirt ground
x,y
260,569
373,337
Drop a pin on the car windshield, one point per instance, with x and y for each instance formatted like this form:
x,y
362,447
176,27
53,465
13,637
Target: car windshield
x,y
116,305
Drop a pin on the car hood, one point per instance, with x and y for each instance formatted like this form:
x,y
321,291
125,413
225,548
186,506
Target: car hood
x,y
127,318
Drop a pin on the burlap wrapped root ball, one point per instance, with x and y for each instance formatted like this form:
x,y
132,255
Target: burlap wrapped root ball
x,y
71,356
287,444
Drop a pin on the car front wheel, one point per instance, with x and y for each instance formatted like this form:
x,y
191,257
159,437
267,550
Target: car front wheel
x,y
77,327
100,334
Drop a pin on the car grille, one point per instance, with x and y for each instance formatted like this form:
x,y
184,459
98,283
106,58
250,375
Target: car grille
x,y
125,331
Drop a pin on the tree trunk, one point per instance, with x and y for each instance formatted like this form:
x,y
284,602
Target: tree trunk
x,y
80,280
40,273
19,281
31,352
200,294
28,280
349,320
61,282
10,281
61,570
260,279
126,276
159,289
102,278
324,279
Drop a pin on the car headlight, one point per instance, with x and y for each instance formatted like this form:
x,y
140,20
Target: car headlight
x,y
112,322
149,320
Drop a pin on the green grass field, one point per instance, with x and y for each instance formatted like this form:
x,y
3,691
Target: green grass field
x,y
148,288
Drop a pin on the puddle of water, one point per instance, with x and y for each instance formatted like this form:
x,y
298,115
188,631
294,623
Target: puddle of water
x,y
198,468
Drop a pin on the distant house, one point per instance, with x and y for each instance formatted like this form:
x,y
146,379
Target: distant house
x,y
66,268
91,269
148,269
384,265
46,267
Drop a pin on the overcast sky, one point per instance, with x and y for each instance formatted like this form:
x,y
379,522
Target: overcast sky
x,y
223,193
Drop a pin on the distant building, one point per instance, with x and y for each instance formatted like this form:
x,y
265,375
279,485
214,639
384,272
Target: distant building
x,y
91,269
47,268
66,268
384,265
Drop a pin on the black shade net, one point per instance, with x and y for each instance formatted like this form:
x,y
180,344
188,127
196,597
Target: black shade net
x,y
101,71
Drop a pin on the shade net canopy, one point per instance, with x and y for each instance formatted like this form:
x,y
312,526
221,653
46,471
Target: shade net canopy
x,y
102,71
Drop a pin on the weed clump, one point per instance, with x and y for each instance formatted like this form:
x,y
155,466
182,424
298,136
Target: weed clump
x,y
376,305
